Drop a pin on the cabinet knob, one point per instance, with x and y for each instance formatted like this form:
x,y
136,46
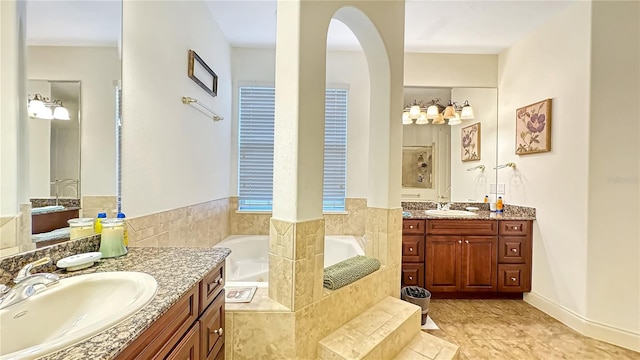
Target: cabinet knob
x,y
218,331
410,277
410,249
514,250
513,278
459,241
220,281
466,241
410,226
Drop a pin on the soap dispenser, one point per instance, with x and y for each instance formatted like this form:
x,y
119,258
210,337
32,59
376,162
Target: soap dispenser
x,y
499,205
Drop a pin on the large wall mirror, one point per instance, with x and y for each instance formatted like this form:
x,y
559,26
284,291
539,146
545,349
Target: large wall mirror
x,y
447,163
72,59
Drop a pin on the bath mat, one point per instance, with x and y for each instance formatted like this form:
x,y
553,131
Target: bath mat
x,y
348,271
239,294
430,325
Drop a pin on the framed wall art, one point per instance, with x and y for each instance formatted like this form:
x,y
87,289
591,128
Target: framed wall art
x,y
533,128
202,74
470,142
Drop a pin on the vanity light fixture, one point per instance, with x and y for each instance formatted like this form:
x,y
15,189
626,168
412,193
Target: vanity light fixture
x,y
418,113
43,108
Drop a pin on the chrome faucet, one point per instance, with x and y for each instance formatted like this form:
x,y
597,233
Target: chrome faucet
x,y
444,207
26,284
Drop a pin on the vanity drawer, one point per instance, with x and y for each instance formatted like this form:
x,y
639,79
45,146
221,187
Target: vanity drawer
x,y
462,227
188,348
412,226
513,278
514,227
512,249
210,286
212,328
412,275
412,248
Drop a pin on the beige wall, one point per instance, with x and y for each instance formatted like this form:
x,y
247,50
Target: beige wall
x,y
450,70
175,155
613,240
580,276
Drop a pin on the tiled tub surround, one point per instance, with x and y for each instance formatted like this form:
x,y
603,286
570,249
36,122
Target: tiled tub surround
x,y
200,225
351,222
304,313
175,269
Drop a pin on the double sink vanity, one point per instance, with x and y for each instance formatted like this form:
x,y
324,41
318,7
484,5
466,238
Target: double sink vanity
x,y
153,303
461,254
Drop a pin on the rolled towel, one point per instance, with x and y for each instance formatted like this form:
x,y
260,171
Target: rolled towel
x,y
348,271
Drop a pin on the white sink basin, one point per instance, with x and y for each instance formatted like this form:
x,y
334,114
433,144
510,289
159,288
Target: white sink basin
x,y
73,310
451,213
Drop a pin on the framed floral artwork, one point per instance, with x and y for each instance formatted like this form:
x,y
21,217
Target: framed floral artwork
x,y
470,142
533,128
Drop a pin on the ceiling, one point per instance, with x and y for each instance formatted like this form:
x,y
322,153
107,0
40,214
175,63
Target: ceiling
x,y
469,27
472,27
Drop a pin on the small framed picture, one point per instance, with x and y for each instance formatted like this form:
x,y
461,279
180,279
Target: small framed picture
x,y
533,128
202,74
470,142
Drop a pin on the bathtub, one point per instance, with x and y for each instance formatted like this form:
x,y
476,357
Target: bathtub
x,y
249,258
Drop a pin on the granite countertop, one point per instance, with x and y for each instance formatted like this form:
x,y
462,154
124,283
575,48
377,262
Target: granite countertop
x,y
482,215
175,269
49,211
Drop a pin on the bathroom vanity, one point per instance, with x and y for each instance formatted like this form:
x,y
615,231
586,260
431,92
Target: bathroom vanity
x,y
467,258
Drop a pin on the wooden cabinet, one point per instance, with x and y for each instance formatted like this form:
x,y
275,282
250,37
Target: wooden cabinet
x,y
469,258
191,329
461,263
413,252
514,256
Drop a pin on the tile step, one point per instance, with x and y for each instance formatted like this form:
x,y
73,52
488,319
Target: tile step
x,y
428,347
378,333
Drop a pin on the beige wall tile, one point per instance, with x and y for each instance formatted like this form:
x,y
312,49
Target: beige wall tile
x,y
333,224
8,232
259,335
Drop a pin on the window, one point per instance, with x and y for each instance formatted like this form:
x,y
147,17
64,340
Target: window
x,y
255,149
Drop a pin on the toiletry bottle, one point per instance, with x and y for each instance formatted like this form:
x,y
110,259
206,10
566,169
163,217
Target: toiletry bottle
x,y
97,224
486,199
112,238
499,205
126,233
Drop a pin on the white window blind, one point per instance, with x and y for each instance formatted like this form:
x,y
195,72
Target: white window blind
x,y
255,163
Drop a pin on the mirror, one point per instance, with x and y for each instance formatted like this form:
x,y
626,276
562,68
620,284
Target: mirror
x,y
463,155
54,145
73,54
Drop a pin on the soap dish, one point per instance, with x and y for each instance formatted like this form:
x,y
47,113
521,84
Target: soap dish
x,y
472,208
79,261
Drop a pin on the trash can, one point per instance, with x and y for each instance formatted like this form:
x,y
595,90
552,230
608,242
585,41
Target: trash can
x,y
417,296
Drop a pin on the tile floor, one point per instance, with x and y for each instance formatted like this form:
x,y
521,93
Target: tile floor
x,y
514,330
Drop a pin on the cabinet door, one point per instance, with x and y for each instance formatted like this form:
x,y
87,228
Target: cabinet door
x,y
189,347
412,275
442,263
479,263
212,325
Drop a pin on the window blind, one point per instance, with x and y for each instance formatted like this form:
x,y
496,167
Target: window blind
x,y
255,153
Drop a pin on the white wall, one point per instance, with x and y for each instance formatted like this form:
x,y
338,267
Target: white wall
x,y
173,154
585,260
534,69
96,68
613,261
450,70
257,67
39,145
474,185
13,131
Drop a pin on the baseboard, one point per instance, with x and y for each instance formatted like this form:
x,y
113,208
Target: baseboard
x,y
596,330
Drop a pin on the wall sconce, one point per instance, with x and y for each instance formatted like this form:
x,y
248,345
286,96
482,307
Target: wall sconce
x,y
436,112
43,108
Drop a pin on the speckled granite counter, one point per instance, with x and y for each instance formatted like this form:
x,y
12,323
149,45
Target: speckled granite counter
x,y
53,210
511,212
175,269
482,215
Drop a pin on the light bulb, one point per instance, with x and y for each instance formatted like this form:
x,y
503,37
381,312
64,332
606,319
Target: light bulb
x,y
414,112
405,118
467,111
439,120
455,120
432,112
422,120
61,113
35,106
45,113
